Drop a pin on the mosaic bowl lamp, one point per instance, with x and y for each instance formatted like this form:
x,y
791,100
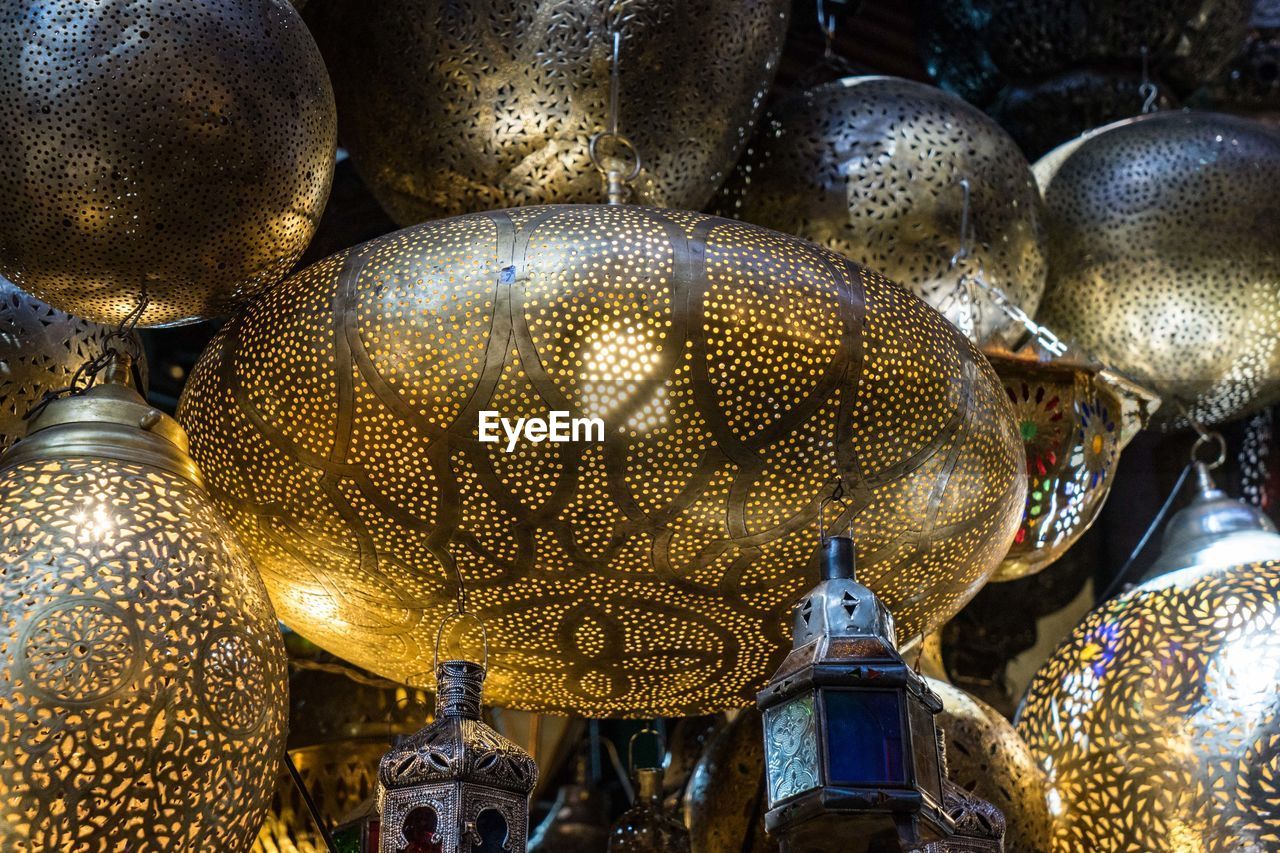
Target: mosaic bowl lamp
x,y
1074,419
1177,294
1156,720
724,803
870,167
493,103
144,700
338,423
180,150
40,350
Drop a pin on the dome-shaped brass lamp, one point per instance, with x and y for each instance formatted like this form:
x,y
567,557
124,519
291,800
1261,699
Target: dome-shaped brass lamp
x,y
144,699
871,167
174,151
732,370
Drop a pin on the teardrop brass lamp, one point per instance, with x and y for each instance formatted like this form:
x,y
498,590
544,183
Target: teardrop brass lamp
x,y
339,423
144,699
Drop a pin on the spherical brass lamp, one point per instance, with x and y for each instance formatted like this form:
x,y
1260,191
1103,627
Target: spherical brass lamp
x,y
144,699
724,805
872,168
452,108
1163,233
40,350
641,568
1074,419
1156,721
176,150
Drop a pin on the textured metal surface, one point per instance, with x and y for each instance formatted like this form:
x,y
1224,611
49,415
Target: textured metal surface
x,y
973,46
1156,721
725,802
181,148
986,757
40,349
980,827
870,167
337,422
338,732
1163,233
452,108
144,701
1074,420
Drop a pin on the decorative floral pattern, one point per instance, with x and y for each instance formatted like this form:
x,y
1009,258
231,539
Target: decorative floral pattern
x,y
791,749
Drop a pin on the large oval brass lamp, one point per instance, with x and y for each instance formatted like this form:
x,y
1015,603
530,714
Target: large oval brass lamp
x,y
1156,720
872,168
1163,232
493,103
144,699
171,150
643,570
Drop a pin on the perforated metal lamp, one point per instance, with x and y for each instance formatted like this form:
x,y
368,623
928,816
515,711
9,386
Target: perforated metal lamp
x,y
851,748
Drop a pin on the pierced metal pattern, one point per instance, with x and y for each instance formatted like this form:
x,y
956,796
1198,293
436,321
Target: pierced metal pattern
x,y
985,756
1157,723
144,700
491,103
1074,420
40,349
1256,460
181,148
1178,293
337,423
870,167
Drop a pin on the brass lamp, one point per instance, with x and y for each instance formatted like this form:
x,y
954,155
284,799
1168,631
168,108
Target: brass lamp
x,y
850,745
145,696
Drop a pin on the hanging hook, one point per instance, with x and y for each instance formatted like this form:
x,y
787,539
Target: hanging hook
x,y
617,179
966,229
827,25
444,623
1147,89
835,498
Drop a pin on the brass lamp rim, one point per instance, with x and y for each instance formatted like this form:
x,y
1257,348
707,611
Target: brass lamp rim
x,y
109,421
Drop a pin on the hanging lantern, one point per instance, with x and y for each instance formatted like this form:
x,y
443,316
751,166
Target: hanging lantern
x,y
144,699
176,151
493,103
1074,420
648,827
40,350
871,167
339,730
578,820
725,806
1155,721
457,786
1180,295
339,423
850,746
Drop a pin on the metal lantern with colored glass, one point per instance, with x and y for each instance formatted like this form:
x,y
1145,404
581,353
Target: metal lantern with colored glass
x,y
144,699
457,786
851,749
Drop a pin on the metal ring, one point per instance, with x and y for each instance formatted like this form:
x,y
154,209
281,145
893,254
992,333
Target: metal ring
x,y
484,637
1202,441
624,142
631,746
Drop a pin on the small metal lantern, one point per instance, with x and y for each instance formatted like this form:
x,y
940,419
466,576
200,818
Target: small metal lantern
x,y
648,826
849,734
457,786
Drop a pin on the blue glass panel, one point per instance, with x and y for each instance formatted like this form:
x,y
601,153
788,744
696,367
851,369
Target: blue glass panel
x,y
865,737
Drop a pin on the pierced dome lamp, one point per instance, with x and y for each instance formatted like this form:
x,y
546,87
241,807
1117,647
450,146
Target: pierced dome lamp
x,y
145,695
1156,722
339,424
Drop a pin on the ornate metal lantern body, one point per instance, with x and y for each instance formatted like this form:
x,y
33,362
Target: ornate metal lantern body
x,y
493,103
1074,420
1180,295
871,168
647,827
144,700
850,746
1155,721
182,151
40,349
338,423
457,786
